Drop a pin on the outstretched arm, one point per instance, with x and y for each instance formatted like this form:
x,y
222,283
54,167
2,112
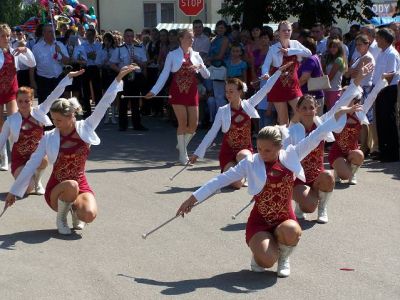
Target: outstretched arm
x,y
109,96
233,174
44,108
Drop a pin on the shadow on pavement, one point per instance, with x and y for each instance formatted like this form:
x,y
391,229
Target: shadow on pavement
x,y
241,282
175,190
392,168
8,241
234,227
307,224
133,169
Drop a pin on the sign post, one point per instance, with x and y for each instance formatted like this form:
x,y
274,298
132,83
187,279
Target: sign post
x,y
191,7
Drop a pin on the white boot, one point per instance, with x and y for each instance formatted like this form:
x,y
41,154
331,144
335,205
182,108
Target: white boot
x,y
76,223
283,261
255,267
113,121
353,179
183,157
39,189
188,138
298,212
4,159
322,206
62,213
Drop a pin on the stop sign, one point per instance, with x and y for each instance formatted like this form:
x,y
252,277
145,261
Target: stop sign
x,y
191,7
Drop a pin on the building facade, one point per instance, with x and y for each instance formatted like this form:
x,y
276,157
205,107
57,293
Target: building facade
x,y
138,14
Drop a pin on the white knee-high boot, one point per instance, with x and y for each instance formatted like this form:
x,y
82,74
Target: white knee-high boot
x,y
322,206
283,261
188,138
183,157
76,223
354,169
4,159
298,212
62,213
39,189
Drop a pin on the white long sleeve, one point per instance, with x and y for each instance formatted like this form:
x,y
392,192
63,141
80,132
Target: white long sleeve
x,y
162,79
361,115
261,93
108,98
28,59
349,94
210,136
40,112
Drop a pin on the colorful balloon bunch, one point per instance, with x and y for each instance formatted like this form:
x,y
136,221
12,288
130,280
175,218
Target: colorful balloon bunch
x,y
71,10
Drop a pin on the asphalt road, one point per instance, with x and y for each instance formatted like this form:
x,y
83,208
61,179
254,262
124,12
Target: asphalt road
x,y
201,256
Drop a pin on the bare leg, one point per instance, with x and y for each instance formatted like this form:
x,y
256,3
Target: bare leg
x,y
265,250
282,111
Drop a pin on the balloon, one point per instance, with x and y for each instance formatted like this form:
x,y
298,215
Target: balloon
x,y
91,11
80,8
90,18
72,21
73,3
74,28
68,10
44,3
86,25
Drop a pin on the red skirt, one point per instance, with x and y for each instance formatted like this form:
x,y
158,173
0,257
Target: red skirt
x,y
183,89
83,187
287,86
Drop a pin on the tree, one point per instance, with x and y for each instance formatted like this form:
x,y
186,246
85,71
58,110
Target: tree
x,y
256,12
16,12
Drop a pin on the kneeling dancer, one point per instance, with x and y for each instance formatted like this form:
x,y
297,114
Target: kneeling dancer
x,y
272,230
67,147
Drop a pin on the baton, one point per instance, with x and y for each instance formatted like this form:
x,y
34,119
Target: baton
x,y
181,170
240,211
145,235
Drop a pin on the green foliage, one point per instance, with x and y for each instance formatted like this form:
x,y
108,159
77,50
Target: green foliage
x,y
13,12
308,11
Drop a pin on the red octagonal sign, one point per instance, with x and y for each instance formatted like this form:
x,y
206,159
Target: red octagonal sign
x,y
191,7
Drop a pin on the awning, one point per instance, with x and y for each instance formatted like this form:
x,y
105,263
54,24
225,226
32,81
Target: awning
x,y
170,26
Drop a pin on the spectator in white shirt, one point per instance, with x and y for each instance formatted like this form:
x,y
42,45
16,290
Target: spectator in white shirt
x,y
369,31
50,56
92,73
385,141
201,42
317,31
134,84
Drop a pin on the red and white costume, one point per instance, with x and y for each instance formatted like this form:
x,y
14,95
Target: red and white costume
x,y
8,72
52,145
313,163
271,184
347,140
24,134
237,134
184,82
288,87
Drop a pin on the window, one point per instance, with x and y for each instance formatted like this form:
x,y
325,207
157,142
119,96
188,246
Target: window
x,y
155,13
